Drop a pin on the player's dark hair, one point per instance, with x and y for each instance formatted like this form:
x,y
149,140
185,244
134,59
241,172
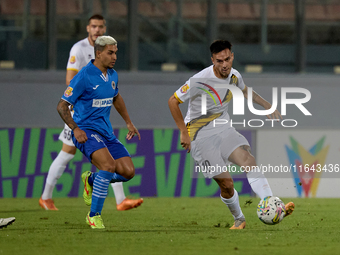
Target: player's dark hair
x,y
97,17
219,45
98,47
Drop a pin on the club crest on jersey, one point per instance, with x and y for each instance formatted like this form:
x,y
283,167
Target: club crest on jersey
x,y
72,59
113,85
184,88
68,92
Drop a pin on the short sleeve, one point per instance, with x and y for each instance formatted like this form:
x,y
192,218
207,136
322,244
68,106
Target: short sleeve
x,y
75,59
188,90
241,84
239,80
76,88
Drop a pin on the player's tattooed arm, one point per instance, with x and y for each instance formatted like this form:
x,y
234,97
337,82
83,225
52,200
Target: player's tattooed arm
x,y
65,114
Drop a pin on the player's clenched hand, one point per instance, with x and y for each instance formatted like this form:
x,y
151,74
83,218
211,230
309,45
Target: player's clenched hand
x,y
275,115
80,135
185,141
132,131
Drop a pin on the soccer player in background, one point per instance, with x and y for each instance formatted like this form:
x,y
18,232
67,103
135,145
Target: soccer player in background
x,y
4,222
220,145
80,55
92,92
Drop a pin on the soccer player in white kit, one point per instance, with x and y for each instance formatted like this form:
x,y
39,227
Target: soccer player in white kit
x,y
219,145
80,55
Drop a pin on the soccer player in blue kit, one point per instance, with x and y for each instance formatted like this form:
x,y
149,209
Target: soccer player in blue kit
x,y
92,92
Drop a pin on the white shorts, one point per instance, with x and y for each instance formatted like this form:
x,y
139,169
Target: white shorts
x,y
65,136
215,151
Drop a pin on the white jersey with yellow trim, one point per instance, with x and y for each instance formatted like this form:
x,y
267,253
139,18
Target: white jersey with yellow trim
x,y
217,100
80,55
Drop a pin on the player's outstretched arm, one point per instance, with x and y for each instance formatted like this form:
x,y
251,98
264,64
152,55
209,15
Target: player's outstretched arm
x,y
119,104
178,117
65,113
264,103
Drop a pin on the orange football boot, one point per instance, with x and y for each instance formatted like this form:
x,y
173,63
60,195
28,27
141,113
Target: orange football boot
x,y
47,204
128,204
289,208
239,224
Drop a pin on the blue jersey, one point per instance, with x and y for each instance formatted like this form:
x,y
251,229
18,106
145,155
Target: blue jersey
x,y
91,94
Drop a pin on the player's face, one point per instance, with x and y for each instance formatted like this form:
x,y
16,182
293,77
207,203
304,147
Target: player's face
x,y
223,62
108,56
95,28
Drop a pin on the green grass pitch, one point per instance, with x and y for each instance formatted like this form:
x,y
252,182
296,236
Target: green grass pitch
x,y
168,226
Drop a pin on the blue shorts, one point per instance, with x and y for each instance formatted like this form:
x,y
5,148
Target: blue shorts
x,y
96,141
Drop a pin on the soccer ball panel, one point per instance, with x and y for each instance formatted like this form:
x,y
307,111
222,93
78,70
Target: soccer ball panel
x,y
271,210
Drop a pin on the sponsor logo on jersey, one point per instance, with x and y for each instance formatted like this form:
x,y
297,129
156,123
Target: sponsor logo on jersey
x,y
72,59
106,102
184,88
113,85
68,92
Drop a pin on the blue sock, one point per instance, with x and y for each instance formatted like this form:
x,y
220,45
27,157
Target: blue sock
x,y
100,186
91,178
115,178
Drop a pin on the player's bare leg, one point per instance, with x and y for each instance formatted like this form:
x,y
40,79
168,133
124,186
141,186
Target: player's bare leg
x,y
69,149
242,156
125,168
229,196
57,168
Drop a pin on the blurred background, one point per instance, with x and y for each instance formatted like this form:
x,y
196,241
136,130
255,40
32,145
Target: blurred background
x,y
268,35
162,43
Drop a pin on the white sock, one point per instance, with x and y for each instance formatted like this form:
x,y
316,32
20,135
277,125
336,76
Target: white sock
x,y
48,190
259,183
119,191
233,204
56,170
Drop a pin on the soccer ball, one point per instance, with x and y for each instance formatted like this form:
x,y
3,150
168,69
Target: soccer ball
x,y
271,210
